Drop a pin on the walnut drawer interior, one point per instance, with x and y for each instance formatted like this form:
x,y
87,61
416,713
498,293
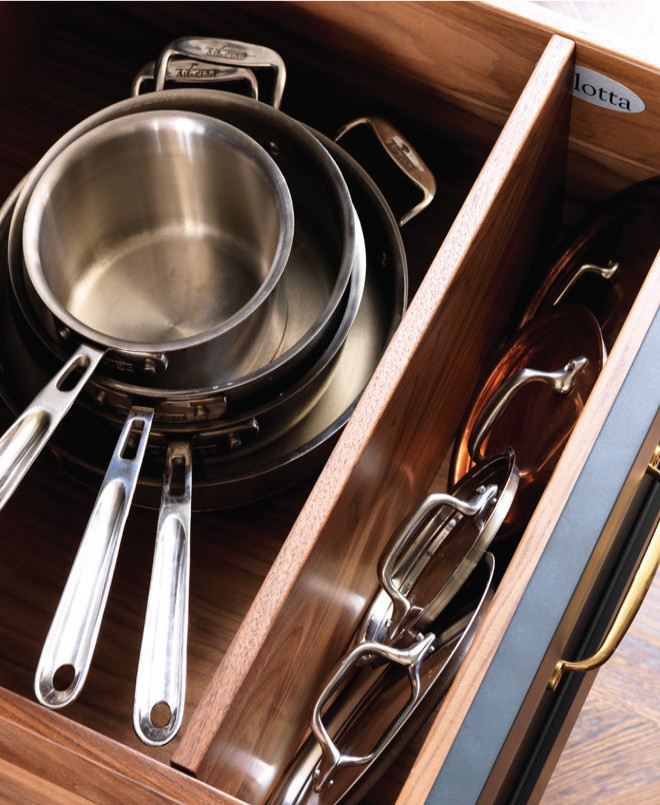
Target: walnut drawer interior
x,y
502,221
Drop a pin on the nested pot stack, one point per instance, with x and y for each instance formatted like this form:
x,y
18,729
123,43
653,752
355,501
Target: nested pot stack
x,y
190,277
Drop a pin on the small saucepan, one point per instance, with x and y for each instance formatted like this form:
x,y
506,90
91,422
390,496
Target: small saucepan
x,y
107,252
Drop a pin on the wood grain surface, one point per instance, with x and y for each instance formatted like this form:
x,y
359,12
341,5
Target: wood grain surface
x,y
74,761
530,548
309,604
84,58
503,47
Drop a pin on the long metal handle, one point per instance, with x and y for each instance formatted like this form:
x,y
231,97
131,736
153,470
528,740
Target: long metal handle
x,y
25,439
191,71
562,381
160,689
403,154
227,52
69,646
639,586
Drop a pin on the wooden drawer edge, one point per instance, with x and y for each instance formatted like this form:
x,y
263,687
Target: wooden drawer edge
x,y
48,745
583,33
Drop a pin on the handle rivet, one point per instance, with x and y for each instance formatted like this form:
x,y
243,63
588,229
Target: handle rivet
x,y
149,366
200,412
64,333
234,441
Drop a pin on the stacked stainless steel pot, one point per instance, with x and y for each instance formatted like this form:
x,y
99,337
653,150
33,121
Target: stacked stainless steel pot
x,y
192,267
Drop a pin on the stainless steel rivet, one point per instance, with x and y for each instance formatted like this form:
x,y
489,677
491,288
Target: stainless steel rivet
x,y
201,412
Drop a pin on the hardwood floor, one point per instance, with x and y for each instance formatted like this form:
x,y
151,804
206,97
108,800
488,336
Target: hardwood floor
x,y
612,754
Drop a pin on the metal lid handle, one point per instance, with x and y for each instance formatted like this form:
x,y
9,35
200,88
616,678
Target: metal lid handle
x,y
389,565
332,757
562,381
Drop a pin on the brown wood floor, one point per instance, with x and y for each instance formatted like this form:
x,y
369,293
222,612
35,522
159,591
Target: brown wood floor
x,y
613,753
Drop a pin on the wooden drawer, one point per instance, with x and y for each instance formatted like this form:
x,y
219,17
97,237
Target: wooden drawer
x,y
278,588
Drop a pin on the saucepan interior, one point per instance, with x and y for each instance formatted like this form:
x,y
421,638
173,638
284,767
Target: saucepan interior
x,y
161,230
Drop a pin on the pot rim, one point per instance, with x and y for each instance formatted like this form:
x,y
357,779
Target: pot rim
x,y
56,169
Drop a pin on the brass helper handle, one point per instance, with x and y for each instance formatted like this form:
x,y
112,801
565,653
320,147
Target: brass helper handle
x,y
629,608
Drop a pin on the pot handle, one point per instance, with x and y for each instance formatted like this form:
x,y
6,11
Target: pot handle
x,y
160,688
189,71
404,156
562,381
25,439
227,52
69,646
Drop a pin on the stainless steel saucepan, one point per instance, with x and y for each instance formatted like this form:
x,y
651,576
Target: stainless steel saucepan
x,y
163,233
162,674
325,249
101,540
67,269
227,477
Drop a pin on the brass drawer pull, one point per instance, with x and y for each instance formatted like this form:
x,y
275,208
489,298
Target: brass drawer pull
x,y
631,604
653,468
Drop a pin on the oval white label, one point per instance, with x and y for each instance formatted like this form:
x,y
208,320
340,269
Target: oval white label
x,y
602,91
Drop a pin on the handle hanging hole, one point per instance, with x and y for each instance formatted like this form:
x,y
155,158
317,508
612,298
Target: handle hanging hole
x,y
63,677
177,484
160,715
